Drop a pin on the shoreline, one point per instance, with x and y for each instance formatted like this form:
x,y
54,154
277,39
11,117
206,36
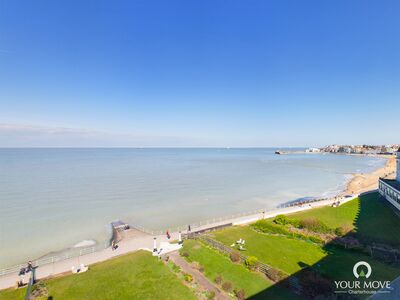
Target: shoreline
x,y
358,184
355,184
364,182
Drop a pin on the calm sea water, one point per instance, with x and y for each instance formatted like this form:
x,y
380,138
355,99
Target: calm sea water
x,y
52,199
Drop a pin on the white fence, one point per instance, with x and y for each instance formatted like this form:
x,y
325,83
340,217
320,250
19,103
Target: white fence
x,y
67,254
76,252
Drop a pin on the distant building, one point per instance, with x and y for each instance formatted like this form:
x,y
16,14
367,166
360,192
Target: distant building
x,y
390,188
398,166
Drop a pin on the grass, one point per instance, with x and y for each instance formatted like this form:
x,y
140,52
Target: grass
x,y
334,217
372,219
134,276
216,264
279,251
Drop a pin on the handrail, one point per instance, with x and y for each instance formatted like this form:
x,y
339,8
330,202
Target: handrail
x,y
77,252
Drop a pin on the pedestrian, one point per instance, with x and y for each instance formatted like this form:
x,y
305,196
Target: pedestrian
x,y
189,229
30,266
168,235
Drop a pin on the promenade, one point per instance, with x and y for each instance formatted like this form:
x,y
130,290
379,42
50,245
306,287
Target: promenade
x,y
144,240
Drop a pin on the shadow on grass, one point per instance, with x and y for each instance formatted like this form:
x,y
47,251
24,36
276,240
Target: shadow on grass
x,y
375,223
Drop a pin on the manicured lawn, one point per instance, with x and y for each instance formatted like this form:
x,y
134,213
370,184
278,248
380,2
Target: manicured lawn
x,y
132,276
281,252
292,255
216,264
334,217
373,219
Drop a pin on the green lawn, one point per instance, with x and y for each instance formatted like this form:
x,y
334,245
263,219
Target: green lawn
x,y
215,264
281,252
133,276
372,218
291,255
334,217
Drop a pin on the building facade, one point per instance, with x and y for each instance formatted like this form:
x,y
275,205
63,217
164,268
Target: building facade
x,y
398,166
390,188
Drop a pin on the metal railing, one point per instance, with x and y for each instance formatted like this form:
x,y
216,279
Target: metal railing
x,y
215,220
77,252
64,255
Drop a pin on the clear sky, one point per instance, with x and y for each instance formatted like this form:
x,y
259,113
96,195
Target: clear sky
x,y
199,73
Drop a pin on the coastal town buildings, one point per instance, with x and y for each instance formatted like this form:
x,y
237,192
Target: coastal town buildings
x,y
390,188
360,149
313,150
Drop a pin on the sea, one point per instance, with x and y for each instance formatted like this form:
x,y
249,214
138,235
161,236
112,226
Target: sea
x,y
59,198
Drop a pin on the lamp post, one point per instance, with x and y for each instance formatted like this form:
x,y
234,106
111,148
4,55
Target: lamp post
x,y
155,244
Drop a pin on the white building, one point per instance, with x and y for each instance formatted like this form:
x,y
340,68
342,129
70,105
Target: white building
x,y
398,166
390,188
313,150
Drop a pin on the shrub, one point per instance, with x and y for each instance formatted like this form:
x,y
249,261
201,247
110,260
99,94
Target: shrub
x,y
251,262
281,220
218,279
268,227
343,230
339,231
185,254
315,225
295,223
195,265
210,295
240,294
188,277
315,239
235,257
275,275
227,286
39,291
314,285
174,267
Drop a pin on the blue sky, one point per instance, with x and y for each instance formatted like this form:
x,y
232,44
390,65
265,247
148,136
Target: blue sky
x,y
199,73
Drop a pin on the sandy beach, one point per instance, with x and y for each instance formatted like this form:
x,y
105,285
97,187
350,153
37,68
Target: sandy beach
x,y
361,183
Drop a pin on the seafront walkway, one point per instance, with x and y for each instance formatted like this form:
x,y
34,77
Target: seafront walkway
x,y
145,240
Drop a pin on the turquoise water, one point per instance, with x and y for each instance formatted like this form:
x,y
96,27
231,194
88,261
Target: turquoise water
x,y
52,199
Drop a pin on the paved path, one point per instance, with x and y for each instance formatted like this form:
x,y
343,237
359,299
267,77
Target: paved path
x,y
197,276
145,241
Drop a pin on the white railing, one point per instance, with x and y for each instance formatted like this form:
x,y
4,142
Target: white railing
x,y
67,254
77,252
216,220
